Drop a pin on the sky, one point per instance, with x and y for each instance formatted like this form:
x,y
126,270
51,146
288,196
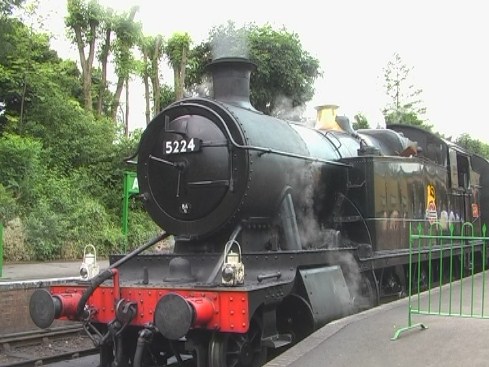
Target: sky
x,y
444,42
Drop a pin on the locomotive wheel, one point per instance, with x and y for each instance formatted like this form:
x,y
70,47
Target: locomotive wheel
x,y
237,350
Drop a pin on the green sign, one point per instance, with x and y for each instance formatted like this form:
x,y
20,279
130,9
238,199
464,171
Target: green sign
x,y
132,183
131,187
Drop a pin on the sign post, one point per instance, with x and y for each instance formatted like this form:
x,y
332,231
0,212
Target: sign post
x,y
130,188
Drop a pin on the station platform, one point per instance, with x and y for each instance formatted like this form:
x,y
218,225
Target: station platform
x,y
13,272
364,339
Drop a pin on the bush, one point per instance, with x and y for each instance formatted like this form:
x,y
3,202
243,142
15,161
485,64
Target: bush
x,y
15,246
8,207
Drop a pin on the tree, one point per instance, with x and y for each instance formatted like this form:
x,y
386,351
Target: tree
x,y
7,6
405,105
361,122
127,33
106,30
473,145
156,52
177,50
152,50
144,67
83,21
285,72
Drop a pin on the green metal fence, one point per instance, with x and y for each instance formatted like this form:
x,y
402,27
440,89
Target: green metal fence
x,y
447,273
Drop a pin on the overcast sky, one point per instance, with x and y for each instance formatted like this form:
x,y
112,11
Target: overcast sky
x,y
445,42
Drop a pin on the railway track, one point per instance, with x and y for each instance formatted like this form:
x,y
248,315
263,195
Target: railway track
x,y
40,347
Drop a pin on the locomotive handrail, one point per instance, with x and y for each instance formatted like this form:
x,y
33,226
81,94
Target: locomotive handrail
x,y
219,263
255,148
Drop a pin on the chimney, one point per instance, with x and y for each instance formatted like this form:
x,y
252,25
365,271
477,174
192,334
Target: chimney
x,y
231,80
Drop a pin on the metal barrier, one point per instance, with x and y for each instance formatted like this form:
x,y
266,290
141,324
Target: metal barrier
x,y
445,271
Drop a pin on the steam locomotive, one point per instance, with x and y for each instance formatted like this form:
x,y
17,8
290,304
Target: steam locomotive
x,y
279,228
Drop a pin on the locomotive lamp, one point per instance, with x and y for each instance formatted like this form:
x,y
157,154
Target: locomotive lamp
x,y
89,267
232,268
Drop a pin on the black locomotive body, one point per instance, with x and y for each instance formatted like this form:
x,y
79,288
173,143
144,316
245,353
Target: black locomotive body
x,y
279,228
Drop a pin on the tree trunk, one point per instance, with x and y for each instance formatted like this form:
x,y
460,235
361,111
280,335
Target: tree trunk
x,y
155,80
103,60
179,88
146,86
126,125
116,99
86,64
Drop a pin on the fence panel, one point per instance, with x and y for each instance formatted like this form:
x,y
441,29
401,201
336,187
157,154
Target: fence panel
x,y
447,274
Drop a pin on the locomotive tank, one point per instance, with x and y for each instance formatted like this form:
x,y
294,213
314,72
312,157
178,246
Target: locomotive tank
x,y
205,165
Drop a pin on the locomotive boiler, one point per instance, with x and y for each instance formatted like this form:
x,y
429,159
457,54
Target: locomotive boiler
x,y
279,228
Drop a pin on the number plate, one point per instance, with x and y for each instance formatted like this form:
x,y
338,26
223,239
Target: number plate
x,y
181,146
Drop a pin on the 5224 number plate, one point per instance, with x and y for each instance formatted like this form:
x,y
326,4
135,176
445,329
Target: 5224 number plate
x,y
181,146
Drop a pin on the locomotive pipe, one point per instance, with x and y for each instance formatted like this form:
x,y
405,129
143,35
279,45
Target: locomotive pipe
x,y
45,308
175,315
289,224
108,273
144,339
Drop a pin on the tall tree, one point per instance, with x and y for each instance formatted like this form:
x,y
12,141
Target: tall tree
x,y
127,33
83,20
106,31
405,105
177,50
144,43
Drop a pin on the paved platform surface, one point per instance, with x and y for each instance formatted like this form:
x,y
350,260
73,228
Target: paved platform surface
x,y
41,271
364,339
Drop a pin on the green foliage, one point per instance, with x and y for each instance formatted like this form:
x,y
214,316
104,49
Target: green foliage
x,y
8,205
7,6
60,168
285,70
167,96
20,162
85,16
128,33
175,47
360,122
406,117
473,145
404,106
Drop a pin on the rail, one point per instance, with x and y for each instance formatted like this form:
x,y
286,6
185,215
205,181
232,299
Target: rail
x,y
36,348
447,282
